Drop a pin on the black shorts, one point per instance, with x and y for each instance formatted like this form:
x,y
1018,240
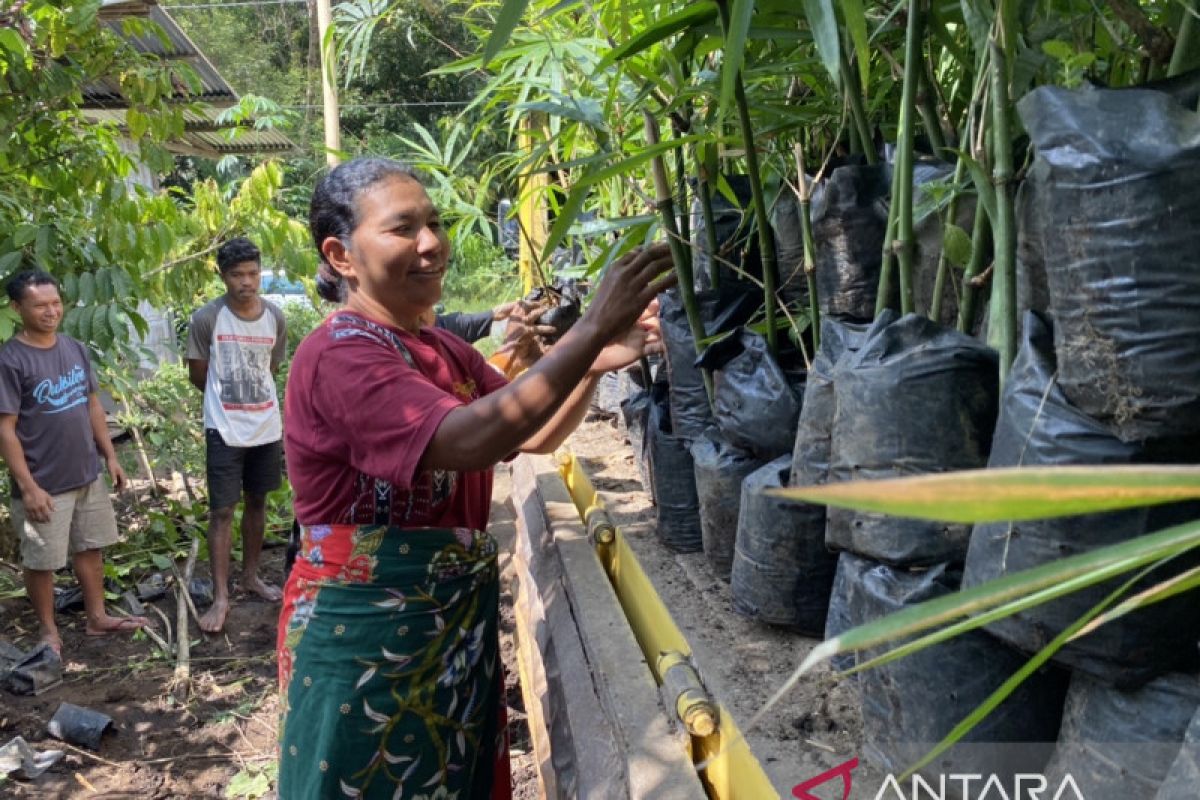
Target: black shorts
x,y
232,470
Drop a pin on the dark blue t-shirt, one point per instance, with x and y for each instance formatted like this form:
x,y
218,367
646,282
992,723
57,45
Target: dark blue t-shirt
x,y
48,391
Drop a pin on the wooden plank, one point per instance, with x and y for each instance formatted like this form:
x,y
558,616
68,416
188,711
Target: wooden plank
x,y
657,764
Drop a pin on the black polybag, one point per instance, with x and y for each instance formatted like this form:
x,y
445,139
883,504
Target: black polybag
x,y
1184,776
850,569
720,469
676,506
782,572
789,250
690,411
910,704
635,413
810,454
1123,260
79,725
737,241
755,402
1120,745
849,216
1039,427
916,398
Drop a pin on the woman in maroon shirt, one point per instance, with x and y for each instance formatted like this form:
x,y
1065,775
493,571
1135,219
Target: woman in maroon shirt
x,y
388,648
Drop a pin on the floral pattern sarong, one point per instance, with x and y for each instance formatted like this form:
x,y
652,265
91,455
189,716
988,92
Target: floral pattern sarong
x,y
389,666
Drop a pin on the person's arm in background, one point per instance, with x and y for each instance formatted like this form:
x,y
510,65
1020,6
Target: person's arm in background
x,y
199,343
104,444
38,503
471,327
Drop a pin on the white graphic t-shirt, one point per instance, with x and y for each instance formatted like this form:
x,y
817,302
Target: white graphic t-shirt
x,y
239,399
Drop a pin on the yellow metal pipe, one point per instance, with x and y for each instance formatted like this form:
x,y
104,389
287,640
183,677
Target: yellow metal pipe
x,y
733,773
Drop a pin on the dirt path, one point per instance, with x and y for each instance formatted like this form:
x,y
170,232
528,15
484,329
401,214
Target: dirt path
x,y
224,737
817,726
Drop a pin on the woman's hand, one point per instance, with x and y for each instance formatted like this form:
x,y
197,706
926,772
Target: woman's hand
x,y
640,339
627,288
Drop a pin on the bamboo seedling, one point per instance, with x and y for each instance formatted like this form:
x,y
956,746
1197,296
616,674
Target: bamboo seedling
x,y
903,174
804,201
1002,330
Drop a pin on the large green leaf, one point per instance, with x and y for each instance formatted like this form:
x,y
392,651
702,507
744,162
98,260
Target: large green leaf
x,y
506,22
969,609
1011,493
684,20
823,24
855,16
740,12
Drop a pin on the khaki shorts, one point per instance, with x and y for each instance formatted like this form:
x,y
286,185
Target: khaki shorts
x,y
82,519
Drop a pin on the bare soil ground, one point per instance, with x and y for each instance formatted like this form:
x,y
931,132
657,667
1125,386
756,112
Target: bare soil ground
x,y
224,733
817,725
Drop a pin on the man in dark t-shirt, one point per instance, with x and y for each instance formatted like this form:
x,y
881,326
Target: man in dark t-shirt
x,y
52,435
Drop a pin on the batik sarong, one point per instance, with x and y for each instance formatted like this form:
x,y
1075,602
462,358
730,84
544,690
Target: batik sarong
x,y
389,670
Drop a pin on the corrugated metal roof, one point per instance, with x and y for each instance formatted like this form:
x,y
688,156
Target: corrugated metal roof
x,y
103,100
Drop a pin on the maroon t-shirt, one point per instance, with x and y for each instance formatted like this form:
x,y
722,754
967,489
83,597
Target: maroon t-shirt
x,y
363,402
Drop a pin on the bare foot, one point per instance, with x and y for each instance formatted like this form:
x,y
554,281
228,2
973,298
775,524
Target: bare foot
x,y
54,640
214,619
105,625
264,590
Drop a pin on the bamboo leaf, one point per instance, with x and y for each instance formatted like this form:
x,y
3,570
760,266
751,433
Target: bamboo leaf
x,y
1011,493
688,18
640,157
506,22
736,32
823,24
856,23
567,215
983,185
965,609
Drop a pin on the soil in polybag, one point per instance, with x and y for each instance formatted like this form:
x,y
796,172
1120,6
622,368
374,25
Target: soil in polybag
x,y
910,704
1123,263
782,572
720,469
756,401
1038,426
849,216
916,398
1184,776
676,506
737,240
1120,745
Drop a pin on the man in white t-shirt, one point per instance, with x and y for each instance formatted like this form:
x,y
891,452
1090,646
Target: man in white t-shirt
x,y
235,345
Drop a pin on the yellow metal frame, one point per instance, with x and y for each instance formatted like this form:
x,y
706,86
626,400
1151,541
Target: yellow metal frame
x,y
733,773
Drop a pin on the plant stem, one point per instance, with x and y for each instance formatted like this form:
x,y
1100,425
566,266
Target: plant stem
x,y
980,243
766,241
704,191
1003,328
904,159
858,111
681,187
927,108
1183,57
804,198
943,268
665,205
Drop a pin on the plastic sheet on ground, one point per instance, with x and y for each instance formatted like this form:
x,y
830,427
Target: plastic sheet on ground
x,y
21,761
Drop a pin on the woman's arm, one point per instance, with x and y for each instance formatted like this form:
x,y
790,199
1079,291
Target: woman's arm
x,y
479,435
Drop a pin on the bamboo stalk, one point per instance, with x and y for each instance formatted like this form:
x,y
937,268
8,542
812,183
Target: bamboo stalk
x,y
1002,330
766,241
927,108
980,244
858,111
140,445
665,205
905,246
1184,55
183,669
804,198
704,191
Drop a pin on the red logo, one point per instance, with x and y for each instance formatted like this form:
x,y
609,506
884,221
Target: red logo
x,y
800,790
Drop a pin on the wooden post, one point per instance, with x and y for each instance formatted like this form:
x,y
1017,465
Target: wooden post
x,y
531,209
329,96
